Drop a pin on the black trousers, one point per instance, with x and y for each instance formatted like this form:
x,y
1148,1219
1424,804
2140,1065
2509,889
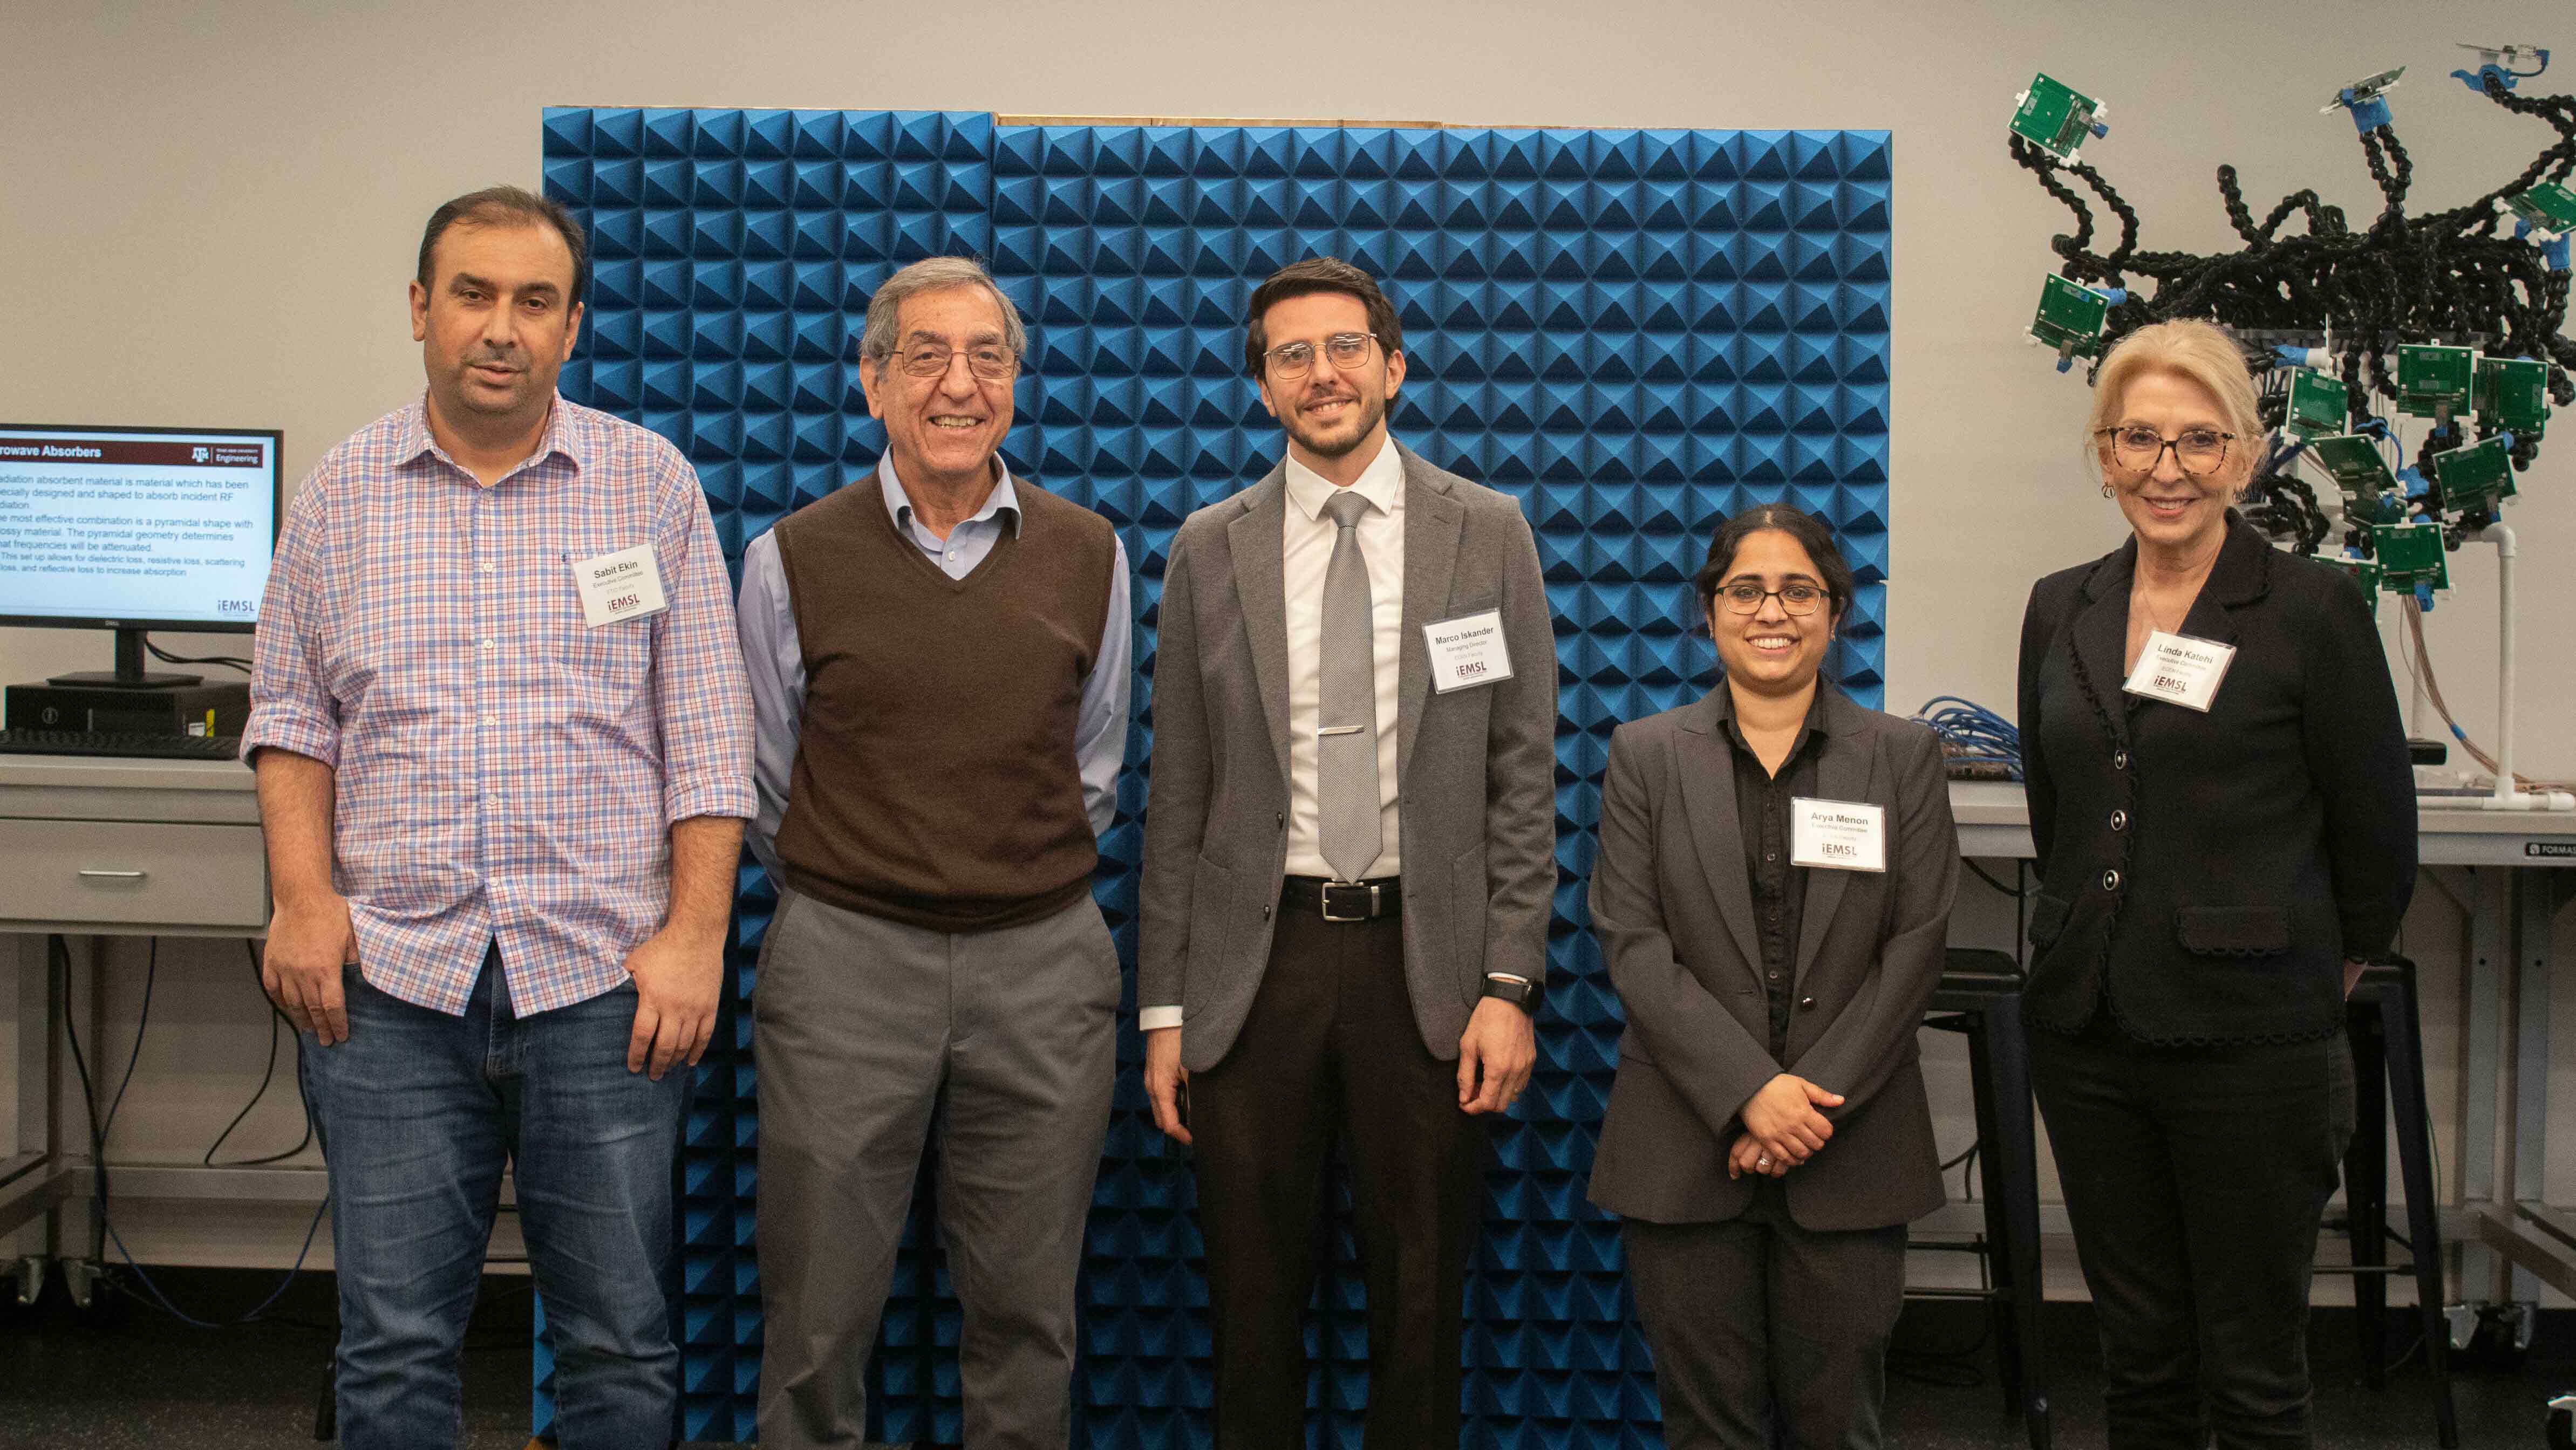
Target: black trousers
x,y
1330,1048
1766,1334
2195,1177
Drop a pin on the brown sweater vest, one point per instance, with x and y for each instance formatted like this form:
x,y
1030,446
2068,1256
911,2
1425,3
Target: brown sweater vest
x,y
935,780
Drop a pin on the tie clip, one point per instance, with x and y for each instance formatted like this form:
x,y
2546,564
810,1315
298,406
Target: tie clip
x,y
1341,730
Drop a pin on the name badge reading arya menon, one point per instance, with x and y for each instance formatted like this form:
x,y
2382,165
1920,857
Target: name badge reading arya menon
x,y
2181,670
1467,651
1842,835
623,585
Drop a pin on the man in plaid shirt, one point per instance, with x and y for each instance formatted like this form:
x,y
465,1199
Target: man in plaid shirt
x,y
504,753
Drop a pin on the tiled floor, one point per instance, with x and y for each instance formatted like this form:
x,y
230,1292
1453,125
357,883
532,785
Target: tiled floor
x,y
147,1380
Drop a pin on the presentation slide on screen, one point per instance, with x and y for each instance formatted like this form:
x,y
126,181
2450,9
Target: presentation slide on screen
x,y
147,526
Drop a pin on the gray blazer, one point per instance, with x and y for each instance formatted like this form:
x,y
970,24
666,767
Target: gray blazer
x,y
1674,915
1477,767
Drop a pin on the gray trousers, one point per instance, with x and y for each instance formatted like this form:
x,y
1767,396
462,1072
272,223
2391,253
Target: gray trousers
x,y
1760,1327
867,1033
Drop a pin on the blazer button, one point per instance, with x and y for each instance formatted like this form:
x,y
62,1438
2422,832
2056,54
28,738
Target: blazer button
x,y
1283,820
2119,820
1806,1001
1265,913
2110,880
2119,760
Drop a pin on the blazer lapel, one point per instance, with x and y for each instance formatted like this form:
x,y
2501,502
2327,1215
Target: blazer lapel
x,y
2242,575
1255,540
1848,771
1433,522
1706,764
2100,638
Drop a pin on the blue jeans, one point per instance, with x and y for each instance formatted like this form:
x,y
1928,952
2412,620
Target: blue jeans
x,y
418,1112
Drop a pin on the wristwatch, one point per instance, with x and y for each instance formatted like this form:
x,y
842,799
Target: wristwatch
x,y
1519,991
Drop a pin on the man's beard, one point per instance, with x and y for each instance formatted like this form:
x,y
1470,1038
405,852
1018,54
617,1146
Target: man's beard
x,y
1369,410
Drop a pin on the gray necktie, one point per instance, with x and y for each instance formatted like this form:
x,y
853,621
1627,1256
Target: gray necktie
x,y
1348,827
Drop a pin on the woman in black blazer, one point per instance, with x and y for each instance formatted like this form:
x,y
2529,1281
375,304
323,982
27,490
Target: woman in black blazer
x,y
1767,1138
2224,834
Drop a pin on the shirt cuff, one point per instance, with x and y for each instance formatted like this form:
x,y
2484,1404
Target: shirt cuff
x,y
1149,1019
682,800
282,728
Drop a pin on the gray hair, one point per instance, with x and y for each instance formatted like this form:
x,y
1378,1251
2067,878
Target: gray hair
x,y
933,274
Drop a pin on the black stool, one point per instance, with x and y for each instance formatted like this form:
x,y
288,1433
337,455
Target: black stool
x,y
2388,1072
1980,994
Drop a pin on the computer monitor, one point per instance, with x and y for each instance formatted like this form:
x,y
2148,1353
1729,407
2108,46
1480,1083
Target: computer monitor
x,y
136,529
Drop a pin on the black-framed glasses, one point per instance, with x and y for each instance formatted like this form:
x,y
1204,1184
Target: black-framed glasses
x,y
1346,350
991,362
2138,448
1745,597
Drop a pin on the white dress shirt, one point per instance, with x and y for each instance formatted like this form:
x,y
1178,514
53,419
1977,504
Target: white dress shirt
x,y
1305,551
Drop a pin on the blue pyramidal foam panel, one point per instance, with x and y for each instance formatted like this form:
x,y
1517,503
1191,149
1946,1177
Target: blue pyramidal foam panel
x,y
1635,333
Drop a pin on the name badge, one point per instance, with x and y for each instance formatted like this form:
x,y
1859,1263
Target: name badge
x,y
1467,651
1841,835
623,585
2181,670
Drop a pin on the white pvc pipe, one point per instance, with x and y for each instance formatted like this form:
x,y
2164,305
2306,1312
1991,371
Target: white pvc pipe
x,y
2509,795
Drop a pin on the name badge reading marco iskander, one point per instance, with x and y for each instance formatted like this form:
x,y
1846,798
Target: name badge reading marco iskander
x,y
623,585
1843,835
2181,669
1467,651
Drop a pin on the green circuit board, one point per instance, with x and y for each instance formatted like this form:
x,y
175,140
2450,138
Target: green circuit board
x,y
2513,394
2431,378
2549,207
2410,554
2356,464
2319,404
2364,572
2070,317
2480,475
2055,117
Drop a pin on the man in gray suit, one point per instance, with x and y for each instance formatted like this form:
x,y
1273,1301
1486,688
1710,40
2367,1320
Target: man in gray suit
x,y
1349,861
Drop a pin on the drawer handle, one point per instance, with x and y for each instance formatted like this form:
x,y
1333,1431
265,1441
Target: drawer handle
x,y
95,875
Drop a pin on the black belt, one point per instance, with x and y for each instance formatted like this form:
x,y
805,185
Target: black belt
x,y
1344,900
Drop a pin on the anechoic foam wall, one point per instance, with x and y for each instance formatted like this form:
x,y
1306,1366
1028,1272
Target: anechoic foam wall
x,y
1633,332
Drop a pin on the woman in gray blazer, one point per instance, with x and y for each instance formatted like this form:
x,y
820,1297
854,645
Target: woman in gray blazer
x,y
1772,896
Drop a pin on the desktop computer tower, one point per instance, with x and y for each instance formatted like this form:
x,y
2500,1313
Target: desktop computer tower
x,y
218,709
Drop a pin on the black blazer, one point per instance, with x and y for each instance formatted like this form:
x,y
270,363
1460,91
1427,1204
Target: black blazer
x,y
2212,872
1674,916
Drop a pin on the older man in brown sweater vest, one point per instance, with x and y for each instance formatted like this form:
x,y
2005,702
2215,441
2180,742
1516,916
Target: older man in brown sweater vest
x,y
939,660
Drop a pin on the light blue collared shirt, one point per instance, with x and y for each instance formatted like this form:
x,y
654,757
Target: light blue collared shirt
x,y
775,657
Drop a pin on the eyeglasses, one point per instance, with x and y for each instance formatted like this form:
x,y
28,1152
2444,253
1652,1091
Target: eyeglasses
x,y
1745,597
1292,360
2199,451
932,360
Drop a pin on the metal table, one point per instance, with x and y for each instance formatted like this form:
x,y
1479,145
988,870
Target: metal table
x,y
2506,870
92,848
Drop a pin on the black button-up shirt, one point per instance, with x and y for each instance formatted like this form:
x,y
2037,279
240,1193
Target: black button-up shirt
x,y
1779,888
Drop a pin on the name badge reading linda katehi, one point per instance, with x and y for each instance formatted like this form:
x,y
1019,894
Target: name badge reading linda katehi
x,y
1842,835
623,585
2181,670
1467,651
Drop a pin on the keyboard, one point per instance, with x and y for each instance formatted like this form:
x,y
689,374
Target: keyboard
x,y
142,743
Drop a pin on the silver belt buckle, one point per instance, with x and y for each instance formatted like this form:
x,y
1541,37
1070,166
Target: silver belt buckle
x,y
1332,886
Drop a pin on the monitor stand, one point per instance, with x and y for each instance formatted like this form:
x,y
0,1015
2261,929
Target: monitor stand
x,y
129,673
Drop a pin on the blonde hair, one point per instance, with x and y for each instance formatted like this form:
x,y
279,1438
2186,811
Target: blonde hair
x,y
2205,353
